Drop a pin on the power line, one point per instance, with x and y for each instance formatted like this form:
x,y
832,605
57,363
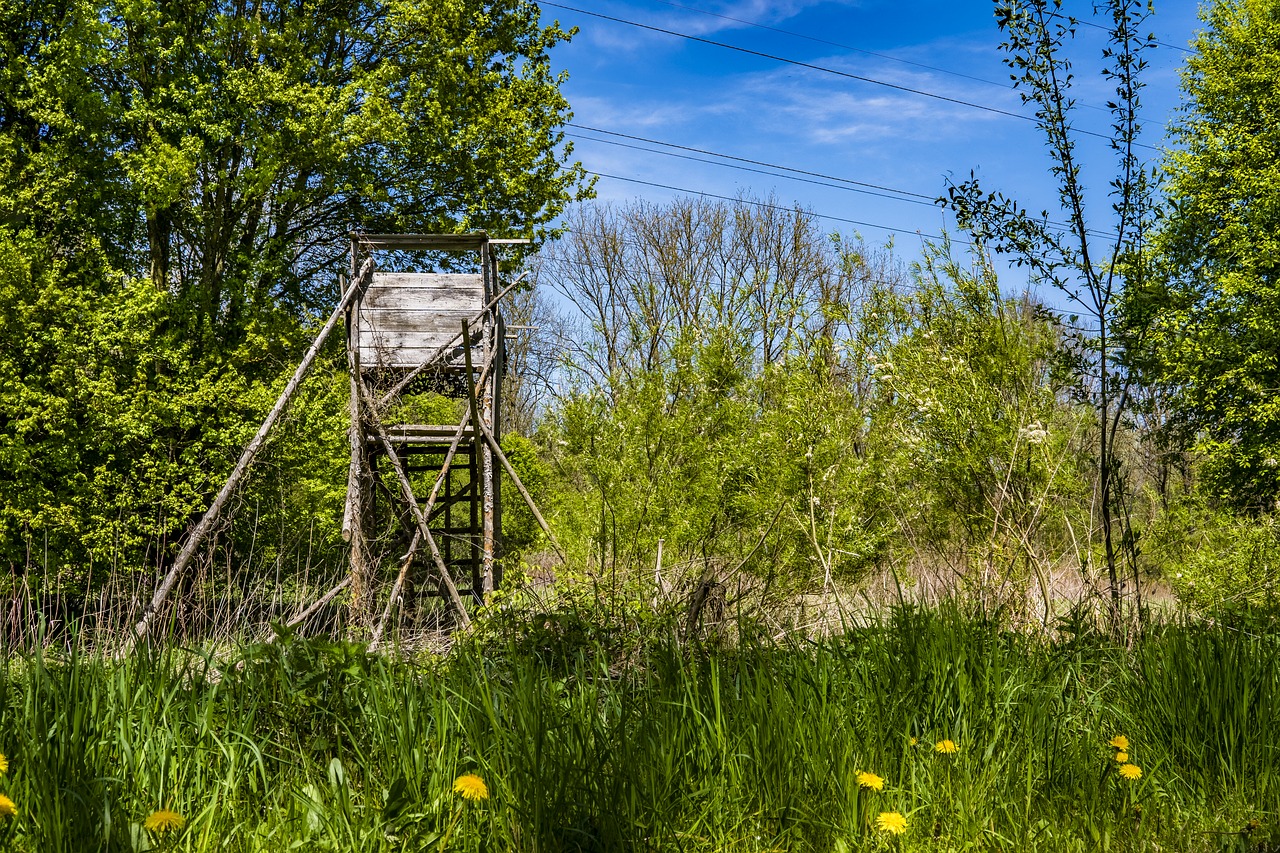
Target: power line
x,y
898,195
767,206
928,198
928,203
845,74
637,274
1108,29
817,40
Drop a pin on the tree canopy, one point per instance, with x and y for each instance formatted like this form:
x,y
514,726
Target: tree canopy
x,y
1213,308
177,180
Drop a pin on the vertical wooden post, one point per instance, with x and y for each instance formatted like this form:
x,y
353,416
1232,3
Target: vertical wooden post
x,y
488,472
358,470
202,528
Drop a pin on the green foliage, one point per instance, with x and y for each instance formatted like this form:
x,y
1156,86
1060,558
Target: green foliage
x,y
1218,562
520,530
984,457
1215,298
921,418
177,184
760,471
1085,257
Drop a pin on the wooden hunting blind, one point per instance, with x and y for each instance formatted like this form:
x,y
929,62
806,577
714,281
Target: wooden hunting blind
x,y
434,484
416,482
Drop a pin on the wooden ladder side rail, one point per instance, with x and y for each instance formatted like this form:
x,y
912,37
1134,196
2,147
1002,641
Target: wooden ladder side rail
x,y
351,521
502,457
390,396
197,536
406,491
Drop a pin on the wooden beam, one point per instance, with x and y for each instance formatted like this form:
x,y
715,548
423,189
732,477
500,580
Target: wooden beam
x,y
417,535
449,345
197,536
406,492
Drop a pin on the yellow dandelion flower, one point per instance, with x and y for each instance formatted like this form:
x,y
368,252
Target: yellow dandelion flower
x,y
7,808
4,764
1122,757
914,741
1130,771
870,780
1120,742
892,822
164,820
471,787
946,747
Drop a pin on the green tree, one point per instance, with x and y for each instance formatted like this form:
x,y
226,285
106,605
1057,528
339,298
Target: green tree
x,y
984,464
1213,305
1087,265
177,181
226,149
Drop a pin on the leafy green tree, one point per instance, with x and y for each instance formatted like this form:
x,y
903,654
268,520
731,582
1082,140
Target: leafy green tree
x,y
983,457
922,419
1213,302
226,148
1088,265
177,181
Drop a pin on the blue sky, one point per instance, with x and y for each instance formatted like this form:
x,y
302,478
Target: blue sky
x,y
624,79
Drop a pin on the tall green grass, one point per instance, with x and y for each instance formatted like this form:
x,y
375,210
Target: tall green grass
x,y
590,741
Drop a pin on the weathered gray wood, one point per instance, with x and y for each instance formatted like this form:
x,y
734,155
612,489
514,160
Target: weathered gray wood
x,y
431,359
406,316
351,507
405,563
197,536
424,242
390,320
320,602
418,289
425,337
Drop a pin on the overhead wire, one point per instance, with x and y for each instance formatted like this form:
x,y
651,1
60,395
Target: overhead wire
x,y
767,206
829,43
891,193
928,198
886,195
823,69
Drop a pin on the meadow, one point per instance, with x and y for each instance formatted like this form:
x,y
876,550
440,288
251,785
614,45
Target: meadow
x,y
916,729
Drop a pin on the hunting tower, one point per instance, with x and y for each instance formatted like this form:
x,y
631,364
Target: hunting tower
x,y
424,477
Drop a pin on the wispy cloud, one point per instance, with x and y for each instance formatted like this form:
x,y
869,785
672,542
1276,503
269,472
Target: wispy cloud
x,y
702,19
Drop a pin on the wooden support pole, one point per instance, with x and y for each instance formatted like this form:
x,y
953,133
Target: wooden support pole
x,y
417,534
406,490
197,536
405,562
356,504
488,477
506,464
321,602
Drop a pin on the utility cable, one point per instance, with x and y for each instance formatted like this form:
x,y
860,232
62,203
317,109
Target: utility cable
x,y
889,193
767,206
848,47
926,202
928,198
821,68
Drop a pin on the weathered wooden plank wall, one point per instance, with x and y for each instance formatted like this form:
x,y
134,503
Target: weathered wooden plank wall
x,y
405,317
